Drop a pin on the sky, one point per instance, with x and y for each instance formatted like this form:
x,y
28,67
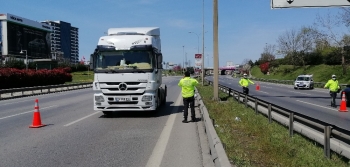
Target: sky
x,y
244,28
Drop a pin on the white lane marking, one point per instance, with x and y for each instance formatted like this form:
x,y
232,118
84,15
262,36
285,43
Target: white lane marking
x,y
266,87
27,112
262,91
82,118
158,151
299,93
42,95
317,105
321,91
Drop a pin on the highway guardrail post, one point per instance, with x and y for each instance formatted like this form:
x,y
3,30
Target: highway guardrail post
x,y
256,106
239,97
269,109
327,141
229,92
213,121
246,100
291,123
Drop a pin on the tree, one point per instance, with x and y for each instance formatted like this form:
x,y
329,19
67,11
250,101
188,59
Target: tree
x,y
330,23
268,53
296,43
247,66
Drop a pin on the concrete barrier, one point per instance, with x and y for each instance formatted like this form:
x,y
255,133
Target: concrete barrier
x,y
31,91
216,147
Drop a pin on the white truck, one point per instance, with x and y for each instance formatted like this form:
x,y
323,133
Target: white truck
x,y
127,67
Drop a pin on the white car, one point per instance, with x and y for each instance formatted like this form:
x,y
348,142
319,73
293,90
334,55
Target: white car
x,y
304,82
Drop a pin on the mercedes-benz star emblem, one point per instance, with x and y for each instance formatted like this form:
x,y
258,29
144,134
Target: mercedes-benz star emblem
x,y
123,86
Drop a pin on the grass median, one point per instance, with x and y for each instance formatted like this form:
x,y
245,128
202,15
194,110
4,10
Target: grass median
x,y
83,76
251,140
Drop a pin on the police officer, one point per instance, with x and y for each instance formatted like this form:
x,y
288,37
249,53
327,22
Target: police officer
x,y
333,86
187,85
244,82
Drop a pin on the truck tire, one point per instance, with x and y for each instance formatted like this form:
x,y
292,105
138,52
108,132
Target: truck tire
x,y
164,100
157,106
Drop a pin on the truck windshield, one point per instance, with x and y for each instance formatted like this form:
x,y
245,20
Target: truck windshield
x,y
121,60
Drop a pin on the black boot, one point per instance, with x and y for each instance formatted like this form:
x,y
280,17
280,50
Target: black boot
x,y
185,120
193,119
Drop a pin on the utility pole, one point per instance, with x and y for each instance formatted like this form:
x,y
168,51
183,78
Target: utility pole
x,y
203,49
215,55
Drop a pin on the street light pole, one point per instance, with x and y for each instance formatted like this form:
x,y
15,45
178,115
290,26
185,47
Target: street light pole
x,y
26,58
186,63
198,39
183,59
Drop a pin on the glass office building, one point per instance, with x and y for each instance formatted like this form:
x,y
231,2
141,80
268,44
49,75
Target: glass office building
x,y
20,34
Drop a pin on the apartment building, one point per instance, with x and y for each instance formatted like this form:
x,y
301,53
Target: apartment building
x,y
64,41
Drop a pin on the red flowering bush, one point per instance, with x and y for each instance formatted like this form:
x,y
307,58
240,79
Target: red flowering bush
x,y
264,67
16,78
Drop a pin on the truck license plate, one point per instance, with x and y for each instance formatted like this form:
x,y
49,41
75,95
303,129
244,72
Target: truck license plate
x,y
122,99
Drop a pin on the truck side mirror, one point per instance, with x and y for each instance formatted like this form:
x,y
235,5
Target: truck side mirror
x,y
91,62
159,61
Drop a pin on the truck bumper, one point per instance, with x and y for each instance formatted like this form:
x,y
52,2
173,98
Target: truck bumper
x,y
134,103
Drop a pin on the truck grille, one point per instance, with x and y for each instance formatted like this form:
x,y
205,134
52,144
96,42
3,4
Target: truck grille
x,y
117,83
116,89
125,102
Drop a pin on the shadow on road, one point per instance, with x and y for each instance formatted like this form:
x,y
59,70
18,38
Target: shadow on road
x,y
163,111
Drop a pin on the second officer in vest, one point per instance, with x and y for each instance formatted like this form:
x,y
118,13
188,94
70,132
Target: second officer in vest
x,y
187,85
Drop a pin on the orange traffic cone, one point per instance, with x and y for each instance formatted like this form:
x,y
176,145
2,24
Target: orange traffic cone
x,y
36,116
343,104
257,86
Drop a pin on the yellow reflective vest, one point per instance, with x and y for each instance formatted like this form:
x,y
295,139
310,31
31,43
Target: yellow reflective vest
x,y
245,82
187,84
333,85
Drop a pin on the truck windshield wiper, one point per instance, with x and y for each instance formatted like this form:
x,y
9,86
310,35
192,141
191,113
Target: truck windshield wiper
x,y
139,71
110,71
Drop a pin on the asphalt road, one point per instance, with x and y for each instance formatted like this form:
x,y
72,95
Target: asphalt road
x,y
313,103
76,135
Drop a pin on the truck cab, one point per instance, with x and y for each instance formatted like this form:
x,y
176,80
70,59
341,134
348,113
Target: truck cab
x,y
128,71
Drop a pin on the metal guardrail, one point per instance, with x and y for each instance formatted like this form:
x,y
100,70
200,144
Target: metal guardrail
x,y
30,91
217,150
330,136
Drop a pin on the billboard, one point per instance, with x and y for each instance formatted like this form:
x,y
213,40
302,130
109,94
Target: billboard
x,y
35,41
198,59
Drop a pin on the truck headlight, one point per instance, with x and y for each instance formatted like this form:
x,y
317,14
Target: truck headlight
x,y
96,86
99,98
147,98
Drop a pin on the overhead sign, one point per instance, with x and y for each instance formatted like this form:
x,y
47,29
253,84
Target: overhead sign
x,y
308,3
